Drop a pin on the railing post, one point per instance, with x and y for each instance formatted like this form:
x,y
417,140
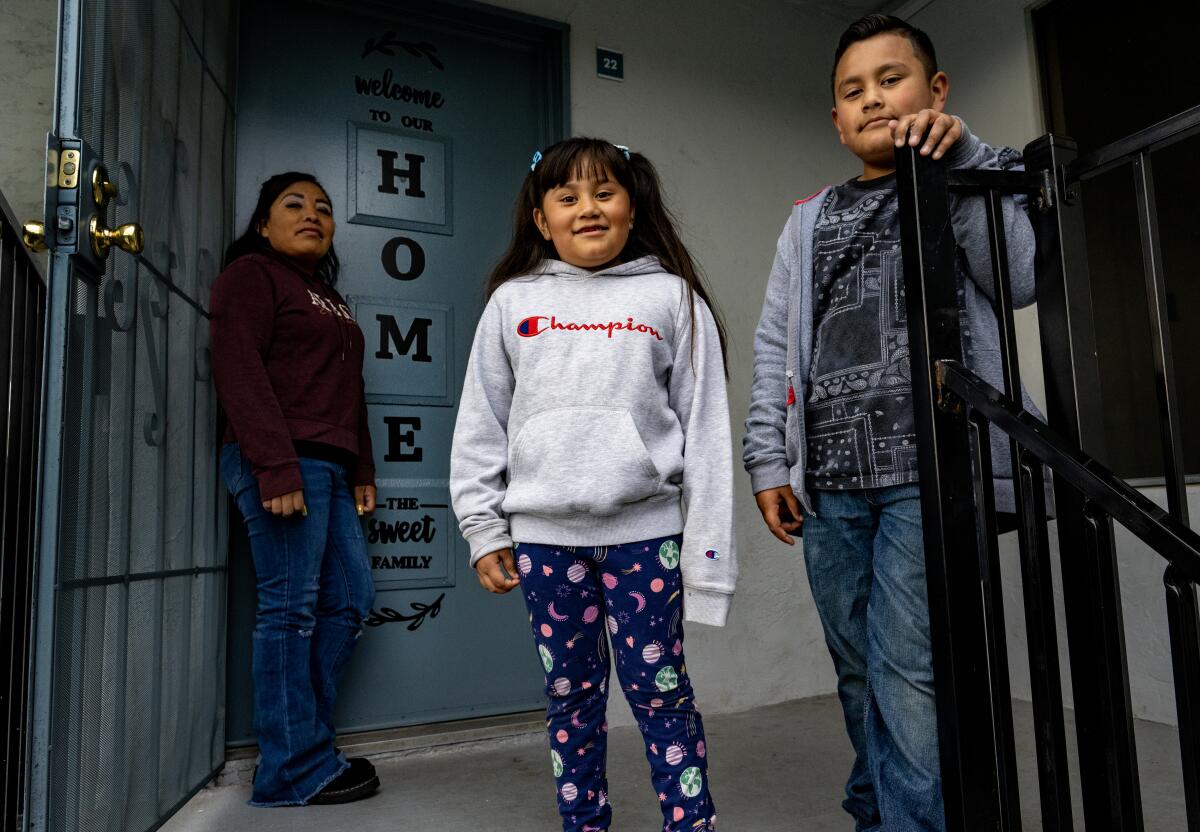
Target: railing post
x,y
1064,300
1184,624
1103,716
1036,578
1170,429
956,617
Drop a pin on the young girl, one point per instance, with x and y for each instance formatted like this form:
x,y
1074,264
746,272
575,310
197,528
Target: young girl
x,y
594,405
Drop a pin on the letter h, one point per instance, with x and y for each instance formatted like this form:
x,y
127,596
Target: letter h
x,y
389,173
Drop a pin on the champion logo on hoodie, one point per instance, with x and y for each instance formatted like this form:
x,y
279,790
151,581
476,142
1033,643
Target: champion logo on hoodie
x,y
537,324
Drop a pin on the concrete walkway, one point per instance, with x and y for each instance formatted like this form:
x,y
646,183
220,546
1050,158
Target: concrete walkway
x,y
772,769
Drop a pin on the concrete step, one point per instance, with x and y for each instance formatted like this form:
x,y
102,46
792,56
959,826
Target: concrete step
x,y
411,741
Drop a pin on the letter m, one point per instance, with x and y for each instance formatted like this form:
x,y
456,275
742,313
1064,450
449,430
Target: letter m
x,y
389,336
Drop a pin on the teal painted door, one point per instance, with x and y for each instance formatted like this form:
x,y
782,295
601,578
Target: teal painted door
x,y
419,119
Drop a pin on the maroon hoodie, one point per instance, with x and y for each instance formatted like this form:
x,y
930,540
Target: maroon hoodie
x,y
287,361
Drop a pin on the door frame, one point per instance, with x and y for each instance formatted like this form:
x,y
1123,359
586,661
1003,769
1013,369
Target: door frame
x,y
548,39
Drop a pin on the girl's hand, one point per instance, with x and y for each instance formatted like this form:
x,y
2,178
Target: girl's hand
x,y
287,504
364,499
492,577
944,131
781,511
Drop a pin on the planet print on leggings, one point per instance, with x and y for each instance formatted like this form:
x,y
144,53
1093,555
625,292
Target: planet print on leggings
x,y
562,685
524,564
569,792
652,652
668,554
547,657
576,573
666,679
557,762
674,754
691,781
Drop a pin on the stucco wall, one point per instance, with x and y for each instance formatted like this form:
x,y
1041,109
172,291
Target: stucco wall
x,y
27,31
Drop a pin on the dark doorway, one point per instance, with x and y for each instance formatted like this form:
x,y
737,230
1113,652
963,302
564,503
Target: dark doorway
x,y
1104,76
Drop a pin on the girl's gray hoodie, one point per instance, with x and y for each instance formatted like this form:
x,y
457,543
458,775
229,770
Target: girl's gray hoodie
x,y
594,404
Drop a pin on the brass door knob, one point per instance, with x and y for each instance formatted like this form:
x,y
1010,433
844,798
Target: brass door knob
x,y
127,237
102,189
33,234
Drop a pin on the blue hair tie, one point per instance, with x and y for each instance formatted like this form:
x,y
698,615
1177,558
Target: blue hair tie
x,y
537,156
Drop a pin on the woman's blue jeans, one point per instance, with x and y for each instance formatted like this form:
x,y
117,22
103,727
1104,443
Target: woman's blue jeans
x,y
865,556
314,590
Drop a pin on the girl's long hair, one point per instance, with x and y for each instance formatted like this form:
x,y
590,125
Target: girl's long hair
x,y
653,233
253,241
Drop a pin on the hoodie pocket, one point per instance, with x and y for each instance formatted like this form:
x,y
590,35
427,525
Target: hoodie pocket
x,y
585,460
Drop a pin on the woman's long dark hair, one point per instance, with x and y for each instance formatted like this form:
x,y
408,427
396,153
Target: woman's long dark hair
x,y
653,233
253,241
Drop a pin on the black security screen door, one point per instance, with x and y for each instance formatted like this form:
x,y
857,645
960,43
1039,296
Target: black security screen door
x,y
129,657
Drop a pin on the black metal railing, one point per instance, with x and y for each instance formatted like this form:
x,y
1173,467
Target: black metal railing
x,y
955,411
22,316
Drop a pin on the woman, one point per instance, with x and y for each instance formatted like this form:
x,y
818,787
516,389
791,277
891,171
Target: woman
x,y
287,360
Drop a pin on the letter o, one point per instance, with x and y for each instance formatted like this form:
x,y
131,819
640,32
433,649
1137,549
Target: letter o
x,y
416,265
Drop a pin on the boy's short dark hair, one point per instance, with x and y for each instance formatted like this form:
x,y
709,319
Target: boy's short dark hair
x,y
877,24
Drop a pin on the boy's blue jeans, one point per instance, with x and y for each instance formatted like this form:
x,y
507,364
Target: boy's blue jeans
x,y
865,557
314,590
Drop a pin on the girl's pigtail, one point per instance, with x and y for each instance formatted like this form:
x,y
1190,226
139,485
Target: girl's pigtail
x,y
655,233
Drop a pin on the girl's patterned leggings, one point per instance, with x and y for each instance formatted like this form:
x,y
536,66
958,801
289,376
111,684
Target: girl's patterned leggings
x,y
633,590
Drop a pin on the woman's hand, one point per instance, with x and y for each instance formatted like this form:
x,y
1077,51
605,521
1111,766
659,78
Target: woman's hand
x,y
364,499
492,577
287,504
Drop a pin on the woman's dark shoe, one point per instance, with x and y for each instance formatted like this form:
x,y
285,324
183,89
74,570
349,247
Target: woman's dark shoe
x,y
356,782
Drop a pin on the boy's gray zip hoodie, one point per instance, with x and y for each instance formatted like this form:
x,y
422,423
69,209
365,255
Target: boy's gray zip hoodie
x,y
774,448
587,416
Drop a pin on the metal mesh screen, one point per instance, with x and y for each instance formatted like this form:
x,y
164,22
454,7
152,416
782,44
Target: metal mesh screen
x,y
138,698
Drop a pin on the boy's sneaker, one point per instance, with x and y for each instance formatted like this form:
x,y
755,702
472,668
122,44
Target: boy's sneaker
x,y
356,782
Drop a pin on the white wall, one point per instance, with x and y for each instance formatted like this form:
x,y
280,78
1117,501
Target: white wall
x,y
733,109
27,29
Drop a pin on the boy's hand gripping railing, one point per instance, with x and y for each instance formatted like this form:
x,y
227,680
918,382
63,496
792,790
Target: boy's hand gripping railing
x,y
953,413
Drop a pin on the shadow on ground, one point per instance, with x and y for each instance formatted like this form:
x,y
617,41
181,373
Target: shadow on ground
x,y
772,769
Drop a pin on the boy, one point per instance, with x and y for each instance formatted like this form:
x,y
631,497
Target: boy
x,y
830,441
